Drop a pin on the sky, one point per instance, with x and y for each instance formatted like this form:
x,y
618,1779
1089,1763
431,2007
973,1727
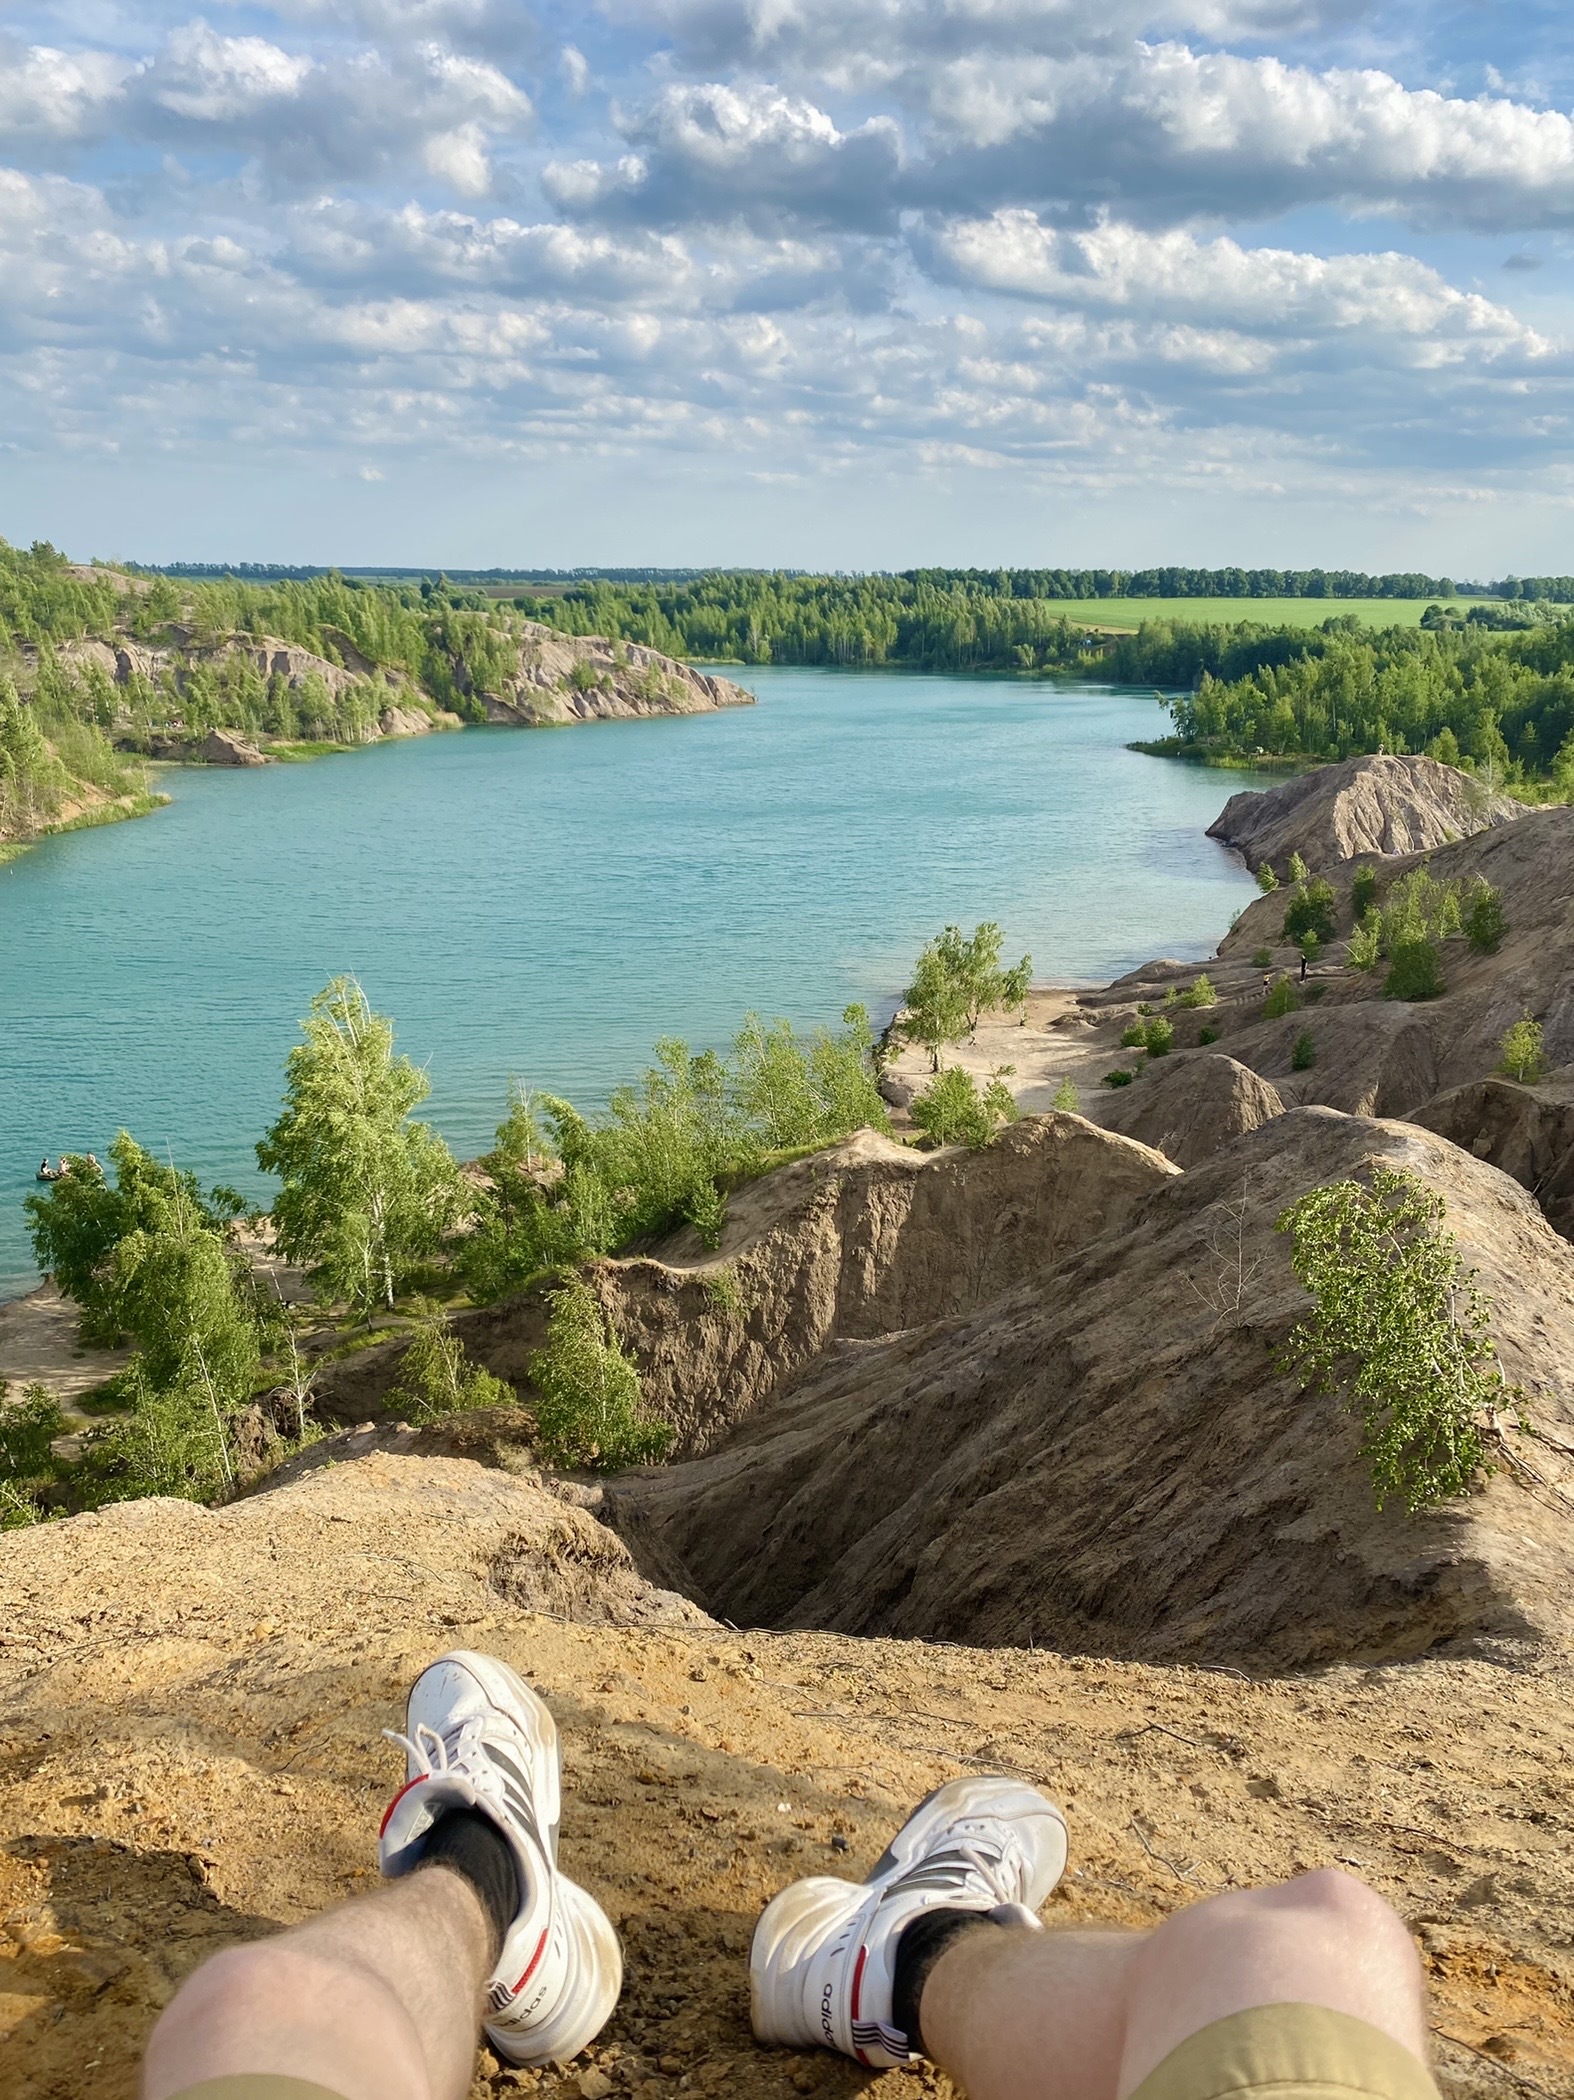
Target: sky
x,y
823,283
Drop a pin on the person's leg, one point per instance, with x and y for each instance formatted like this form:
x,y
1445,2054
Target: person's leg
x,y
377,2000
1088,2015
1302,1989
382,1999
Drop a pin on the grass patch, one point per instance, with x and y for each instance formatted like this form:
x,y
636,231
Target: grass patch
x,y
1129,613
299,753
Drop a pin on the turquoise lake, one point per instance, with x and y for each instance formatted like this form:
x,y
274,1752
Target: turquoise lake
x,y
548,903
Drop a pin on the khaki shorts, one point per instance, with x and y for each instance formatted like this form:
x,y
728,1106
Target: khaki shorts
x,y
1283,2052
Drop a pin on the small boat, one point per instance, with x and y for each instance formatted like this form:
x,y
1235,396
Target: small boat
x,y
48,1173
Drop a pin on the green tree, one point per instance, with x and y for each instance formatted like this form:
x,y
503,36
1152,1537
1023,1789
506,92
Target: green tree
x,y
1200,993
1484,921
588,1408
366,1193
436,1377
1296,868
1365,944
1067,1098
1415,970
1520,1052
953,1109
1399,1330
1282,999
1363,893
1312,909
1304,1053
956,981
1267,881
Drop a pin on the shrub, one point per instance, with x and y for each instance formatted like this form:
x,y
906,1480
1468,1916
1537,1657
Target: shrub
x,y
1201,993
1414,970
1207,1035
1365,944
1282,999
588,1410
1304,1055
1398,1329
1263,959
1159,1037
1310,946
1135,1037
1363,893
1067,1097
1267,881
1117,1078
1484,922
28,1427
1520,1052
952,1110
724,1290
1312,910
1295,868
436,1377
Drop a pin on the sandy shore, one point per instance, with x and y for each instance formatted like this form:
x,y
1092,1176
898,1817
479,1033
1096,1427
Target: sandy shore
x,y
39,1346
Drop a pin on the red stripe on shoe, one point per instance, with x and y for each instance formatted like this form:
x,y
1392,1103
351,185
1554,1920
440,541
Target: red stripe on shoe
x,y
394,1803
531,1966
858,1981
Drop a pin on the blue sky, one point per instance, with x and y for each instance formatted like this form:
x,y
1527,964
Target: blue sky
x,y
840,283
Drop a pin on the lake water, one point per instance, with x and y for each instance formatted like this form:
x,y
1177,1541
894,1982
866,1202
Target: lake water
x,y
547,903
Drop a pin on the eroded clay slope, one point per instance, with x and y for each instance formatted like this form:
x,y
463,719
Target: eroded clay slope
x,y
864,1238
1108,1458
1376,804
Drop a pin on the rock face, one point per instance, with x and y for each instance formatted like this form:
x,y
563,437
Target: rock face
x,y
853,1242
224,747
1187,1108
1106,1459
587,678
1527,1131
1363,805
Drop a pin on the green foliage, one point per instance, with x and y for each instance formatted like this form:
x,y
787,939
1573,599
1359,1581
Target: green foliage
x,y
435,1376
1415,970
1311,909
956,981
588,1406
1117,1078
1067,1098
1283,998
1309,946
1207,1035
667,1149
1363,893
77,1224
1201,993
1267,881
1304,1053
1483,919
1366,943
953,1110
1262,959
367,1194
724,1290
1295,868
1520,1052
28,1426
1158,1036
1399,1330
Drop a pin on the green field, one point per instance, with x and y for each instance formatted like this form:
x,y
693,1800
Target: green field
x,y
1262,612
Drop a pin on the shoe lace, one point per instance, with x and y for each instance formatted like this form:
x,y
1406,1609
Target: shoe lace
x,y
439,1753
999,1863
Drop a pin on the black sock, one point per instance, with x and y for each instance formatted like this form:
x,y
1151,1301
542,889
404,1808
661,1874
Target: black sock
x,y
921,1945
472,1845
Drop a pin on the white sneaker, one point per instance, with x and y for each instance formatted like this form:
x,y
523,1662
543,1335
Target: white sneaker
x,y
822,1967
478,1737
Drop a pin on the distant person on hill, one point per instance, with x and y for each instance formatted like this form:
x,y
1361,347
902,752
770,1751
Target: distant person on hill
x,y
1309,1991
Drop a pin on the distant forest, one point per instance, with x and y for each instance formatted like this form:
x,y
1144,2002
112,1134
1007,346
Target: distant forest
x,y
1498,703
1067,584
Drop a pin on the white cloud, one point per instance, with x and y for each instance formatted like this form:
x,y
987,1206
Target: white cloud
x,y
213,79
56,96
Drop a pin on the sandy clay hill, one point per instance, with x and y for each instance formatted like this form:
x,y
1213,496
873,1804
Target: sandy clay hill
x,y
1374,804
990,1460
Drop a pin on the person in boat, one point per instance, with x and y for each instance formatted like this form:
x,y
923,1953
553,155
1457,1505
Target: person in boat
x,y
45,1171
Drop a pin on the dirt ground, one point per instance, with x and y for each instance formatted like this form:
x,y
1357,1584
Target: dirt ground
x,y
39,1346
190,1753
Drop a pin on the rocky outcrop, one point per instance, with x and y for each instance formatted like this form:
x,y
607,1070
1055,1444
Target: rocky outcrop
x,y
856,1241
1378,804
224,747
587,678
1527,1131
416,721
1187,1107
1108,1459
